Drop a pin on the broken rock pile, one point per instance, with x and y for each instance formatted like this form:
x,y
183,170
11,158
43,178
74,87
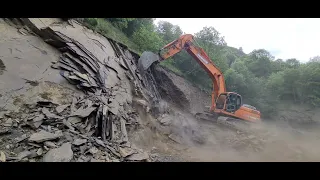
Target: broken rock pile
x,y
93,127
69,132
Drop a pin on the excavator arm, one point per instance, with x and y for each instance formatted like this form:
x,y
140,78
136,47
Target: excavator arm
x,y
185,42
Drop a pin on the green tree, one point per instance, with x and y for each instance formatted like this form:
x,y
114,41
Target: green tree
x,y
136,24
230,59
211,35
235,81
291,84
259,63
147,39
292,63
277,65
120,23
251,86
212,43
168,31
275,84
310,82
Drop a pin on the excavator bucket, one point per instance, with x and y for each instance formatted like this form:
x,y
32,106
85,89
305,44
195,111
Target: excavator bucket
x,y
146,60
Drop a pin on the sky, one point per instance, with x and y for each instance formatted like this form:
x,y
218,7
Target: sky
x,y
284,38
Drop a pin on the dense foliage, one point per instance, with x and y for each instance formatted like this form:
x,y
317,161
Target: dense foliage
x,y
262,80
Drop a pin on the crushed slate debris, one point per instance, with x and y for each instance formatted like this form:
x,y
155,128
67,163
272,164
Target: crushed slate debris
x,y
91,128
79,137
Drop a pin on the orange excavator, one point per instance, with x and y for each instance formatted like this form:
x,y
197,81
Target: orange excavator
x,y
226,104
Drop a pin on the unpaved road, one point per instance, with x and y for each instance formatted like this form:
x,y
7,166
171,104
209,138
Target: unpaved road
x,y
25,75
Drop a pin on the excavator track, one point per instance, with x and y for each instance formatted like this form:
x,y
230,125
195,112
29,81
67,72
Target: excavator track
x,y
223,121
252,137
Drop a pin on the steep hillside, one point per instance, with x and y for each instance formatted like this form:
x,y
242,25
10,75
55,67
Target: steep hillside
x,y
70,94
263,81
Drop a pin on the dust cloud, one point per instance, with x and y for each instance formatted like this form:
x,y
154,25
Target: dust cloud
x,y
267,142
193,140
200,140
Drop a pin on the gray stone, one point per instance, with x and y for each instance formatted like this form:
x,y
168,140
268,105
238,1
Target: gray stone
x,y
79,142
74,120
81,112
21,138
125,152
8,123
50,144
165,120
141,102
5,131
61,108
39,151
99,142
37,121
24,154
43,136
93,150
50,115
61,154
138,156
175,138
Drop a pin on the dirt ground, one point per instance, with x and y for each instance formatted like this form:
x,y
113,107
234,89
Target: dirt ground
x,y
26,76
203,141
292,136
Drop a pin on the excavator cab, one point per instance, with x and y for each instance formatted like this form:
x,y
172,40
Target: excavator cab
x,y
229,102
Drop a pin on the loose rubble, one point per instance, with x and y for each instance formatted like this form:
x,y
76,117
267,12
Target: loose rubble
x,y
93,127
61,154
42,136
84,131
